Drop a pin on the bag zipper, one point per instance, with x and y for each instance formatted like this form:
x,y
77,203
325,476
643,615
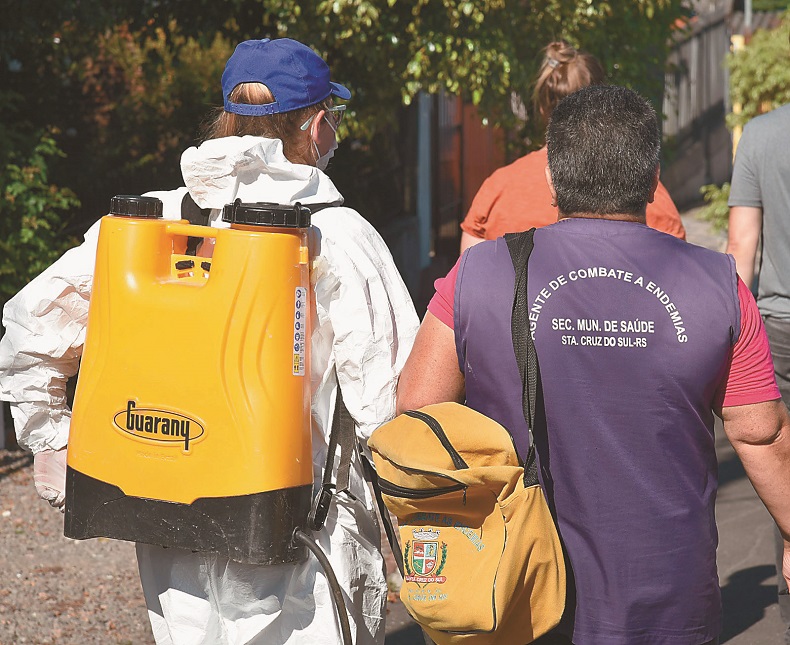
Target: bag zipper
x,y
437,429
392,489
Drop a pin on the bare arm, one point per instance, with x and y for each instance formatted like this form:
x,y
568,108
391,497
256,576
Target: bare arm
x,y
760,434
431,373
468,240
744,233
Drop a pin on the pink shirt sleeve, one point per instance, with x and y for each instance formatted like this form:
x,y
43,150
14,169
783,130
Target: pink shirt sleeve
x,y
750,378
443,301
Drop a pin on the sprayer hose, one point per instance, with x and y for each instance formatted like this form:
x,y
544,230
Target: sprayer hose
x,y
334,585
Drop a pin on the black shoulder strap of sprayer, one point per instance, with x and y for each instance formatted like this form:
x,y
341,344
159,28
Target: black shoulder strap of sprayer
x,y
195,215
343,434
520,246
314,208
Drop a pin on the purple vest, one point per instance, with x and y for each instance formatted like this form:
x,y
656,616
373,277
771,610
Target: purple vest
x,y
633,330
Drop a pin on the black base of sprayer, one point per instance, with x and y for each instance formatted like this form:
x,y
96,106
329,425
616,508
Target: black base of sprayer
x,y
255,529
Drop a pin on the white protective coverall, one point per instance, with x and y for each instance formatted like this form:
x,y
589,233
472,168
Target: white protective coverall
x,y
365,326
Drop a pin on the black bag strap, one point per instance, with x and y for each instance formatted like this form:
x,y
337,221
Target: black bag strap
x,y
389,528
343,434
520,246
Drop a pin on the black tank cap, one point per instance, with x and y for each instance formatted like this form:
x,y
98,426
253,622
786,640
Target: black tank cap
x,y
136,206
267,214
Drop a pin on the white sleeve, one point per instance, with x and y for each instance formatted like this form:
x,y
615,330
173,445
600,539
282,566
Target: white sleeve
x,y
370,311
44,333
171,201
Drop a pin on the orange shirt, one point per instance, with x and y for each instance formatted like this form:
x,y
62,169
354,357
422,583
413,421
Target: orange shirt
x,y
516,198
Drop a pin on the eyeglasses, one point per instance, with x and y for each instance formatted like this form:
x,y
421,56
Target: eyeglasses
x,y
336,111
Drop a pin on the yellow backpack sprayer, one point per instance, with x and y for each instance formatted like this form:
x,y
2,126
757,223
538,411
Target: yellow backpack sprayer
x,y
191,422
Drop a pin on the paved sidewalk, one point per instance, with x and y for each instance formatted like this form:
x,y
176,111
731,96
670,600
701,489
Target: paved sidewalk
x,y
745,556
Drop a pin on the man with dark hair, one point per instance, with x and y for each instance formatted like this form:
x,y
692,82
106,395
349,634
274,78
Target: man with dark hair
x,y
584,149
640,339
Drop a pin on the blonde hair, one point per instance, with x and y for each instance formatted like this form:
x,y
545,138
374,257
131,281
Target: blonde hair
x,y
284,126
563,71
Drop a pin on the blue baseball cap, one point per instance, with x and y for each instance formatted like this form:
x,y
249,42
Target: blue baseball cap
x,y
295,74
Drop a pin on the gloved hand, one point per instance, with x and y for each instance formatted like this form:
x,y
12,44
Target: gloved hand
x,y
49,476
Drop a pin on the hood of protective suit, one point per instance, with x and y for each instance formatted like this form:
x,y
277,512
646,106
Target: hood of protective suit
x,y
220,171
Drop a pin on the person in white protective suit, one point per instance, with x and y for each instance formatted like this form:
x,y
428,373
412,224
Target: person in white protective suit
x,y
271,142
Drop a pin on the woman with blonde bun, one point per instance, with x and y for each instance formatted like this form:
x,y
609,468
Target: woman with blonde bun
x,y
516,197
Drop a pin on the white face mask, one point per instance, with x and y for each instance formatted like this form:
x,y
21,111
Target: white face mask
x,y
322,160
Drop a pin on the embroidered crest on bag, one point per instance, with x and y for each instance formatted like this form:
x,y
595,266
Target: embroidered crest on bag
x,y
421,557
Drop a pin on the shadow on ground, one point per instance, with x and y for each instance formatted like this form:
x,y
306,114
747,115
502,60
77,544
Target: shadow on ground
x,y
409,635
13,460
745,598
730,469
